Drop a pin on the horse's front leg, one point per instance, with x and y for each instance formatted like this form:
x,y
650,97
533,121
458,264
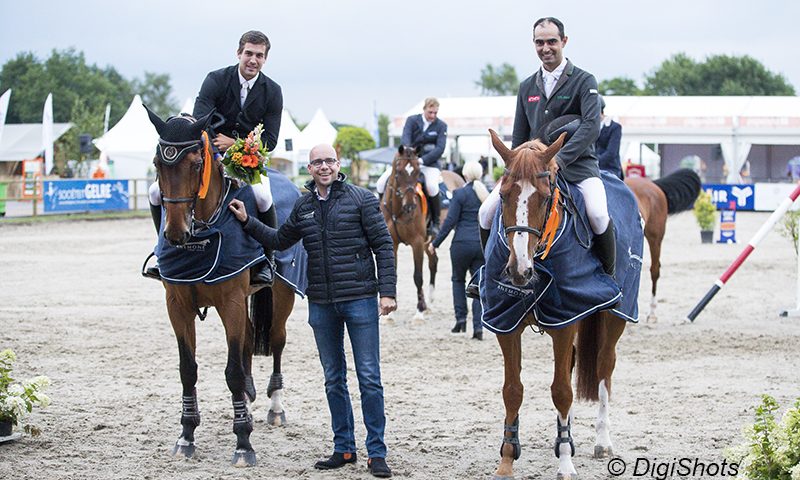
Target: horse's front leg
x,y
418,248
606,361
433,264
561,392
282,304
510,449
182,320
234,318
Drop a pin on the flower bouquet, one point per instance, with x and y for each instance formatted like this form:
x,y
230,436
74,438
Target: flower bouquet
x,y
247,158
18,399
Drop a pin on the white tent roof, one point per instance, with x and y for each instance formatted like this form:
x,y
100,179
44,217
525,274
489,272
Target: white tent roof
x,y
289,131
131,143
319,130
23,141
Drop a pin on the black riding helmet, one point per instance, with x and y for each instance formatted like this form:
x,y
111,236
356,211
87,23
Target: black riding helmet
x,y
551,131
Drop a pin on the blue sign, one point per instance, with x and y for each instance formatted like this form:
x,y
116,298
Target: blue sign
x,y
731,197
82,195
727,226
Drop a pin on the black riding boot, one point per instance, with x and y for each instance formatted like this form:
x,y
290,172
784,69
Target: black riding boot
x,y
473,291
605,247
435,204
155,212
264,272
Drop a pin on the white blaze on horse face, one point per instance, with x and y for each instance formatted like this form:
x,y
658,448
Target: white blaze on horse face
x,y
522,239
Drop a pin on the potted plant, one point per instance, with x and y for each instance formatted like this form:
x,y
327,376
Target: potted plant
x,y
704,212
18,399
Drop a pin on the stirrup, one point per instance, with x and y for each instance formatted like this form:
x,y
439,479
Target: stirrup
x,y
150,272
513,439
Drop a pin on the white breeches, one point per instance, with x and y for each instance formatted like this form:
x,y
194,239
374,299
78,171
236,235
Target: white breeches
x,y
433,177
594,196
262,192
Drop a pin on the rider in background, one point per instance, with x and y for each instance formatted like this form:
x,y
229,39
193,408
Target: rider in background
x,y
245,97
607,144
560,88
428,135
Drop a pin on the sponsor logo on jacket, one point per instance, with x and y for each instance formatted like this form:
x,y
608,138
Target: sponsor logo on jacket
x,y
533,98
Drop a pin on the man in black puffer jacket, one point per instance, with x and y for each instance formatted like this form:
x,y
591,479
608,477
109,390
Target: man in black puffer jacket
x,y
343,232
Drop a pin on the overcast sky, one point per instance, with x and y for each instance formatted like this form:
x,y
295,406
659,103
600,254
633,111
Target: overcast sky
x,y
345,55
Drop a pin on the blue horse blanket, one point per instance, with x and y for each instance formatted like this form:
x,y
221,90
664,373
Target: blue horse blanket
x,y
291,263
214,254
570,283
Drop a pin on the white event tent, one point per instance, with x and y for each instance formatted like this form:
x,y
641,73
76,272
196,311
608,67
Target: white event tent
x,y
131,143
285,157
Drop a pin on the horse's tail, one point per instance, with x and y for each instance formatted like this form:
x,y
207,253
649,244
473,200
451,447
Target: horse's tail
x,y
261,316
587,348
681,188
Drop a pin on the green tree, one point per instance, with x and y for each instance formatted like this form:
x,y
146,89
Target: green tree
x,y
717,75
65,74
383,130
619,86
498,81
156,93
350,141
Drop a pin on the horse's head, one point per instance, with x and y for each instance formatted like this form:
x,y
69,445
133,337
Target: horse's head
x,y
180,164
405,176
527,196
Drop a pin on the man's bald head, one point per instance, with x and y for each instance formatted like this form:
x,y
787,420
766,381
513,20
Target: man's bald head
x,y
322,150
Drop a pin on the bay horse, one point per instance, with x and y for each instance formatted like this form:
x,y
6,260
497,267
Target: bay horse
x,y
657,199
193,192
405,211
533,218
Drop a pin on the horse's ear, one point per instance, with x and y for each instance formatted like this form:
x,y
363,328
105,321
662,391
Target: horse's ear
x,y
201,124
500,147
554,147
400,149
155,120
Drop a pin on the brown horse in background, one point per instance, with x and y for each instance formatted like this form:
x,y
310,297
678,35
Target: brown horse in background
x,y
405,210
657,199
180,182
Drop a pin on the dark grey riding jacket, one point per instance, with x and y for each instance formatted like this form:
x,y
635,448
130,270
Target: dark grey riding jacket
x,y
344,236
575,93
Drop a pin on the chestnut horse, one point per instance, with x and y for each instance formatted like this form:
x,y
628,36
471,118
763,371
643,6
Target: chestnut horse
x,y
657,199
532,212
187,211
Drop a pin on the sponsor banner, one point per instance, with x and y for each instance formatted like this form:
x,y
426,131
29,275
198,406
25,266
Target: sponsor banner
x,y
731,197
82,195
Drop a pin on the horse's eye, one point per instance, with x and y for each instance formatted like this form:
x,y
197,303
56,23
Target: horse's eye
x,y
197,166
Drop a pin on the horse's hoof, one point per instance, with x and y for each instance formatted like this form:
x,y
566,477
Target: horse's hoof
x,y
183,449
243,458
652,318
276,419
602,452
566,476
419,319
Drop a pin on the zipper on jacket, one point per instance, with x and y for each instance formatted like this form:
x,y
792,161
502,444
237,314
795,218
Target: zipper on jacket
x,y
325,258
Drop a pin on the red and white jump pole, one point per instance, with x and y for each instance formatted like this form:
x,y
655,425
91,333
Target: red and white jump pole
x,y
762,232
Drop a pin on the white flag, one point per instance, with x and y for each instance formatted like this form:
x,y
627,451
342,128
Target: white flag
x,y
3,109
47,134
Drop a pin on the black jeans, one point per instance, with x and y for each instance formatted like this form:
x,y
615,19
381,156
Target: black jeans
x,y
465,257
